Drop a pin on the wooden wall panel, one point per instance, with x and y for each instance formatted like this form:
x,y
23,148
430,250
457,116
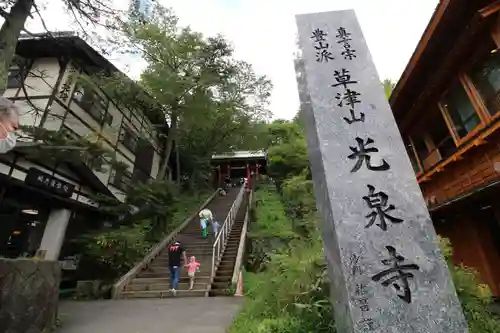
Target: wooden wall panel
x,y
471,249
476,169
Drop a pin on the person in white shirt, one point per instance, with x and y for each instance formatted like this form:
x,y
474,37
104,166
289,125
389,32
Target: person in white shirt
x,y
206,217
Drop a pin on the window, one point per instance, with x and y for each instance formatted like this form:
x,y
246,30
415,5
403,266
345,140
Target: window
x,y
486,78
420,148
14,79
442,142
411,155
128,138
89,100
460,109
120,179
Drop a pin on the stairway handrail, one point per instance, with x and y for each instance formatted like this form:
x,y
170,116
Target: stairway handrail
x,y
221,239
241,247
155,250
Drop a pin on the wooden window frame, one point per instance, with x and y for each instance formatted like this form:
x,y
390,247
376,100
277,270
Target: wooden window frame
x,y
99,105
117,179
476,106
476,96
415,155
121,138
15,81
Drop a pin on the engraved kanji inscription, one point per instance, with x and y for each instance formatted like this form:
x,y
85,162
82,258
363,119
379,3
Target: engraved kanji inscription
x,y
397,274
378,203
344,38
361,153
323,53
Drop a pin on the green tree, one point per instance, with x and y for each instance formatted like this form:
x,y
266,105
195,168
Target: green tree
x,y
388,85
193,77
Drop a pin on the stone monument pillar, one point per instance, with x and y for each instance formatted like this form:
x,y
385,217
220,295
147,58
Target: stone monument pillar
x,y
388,274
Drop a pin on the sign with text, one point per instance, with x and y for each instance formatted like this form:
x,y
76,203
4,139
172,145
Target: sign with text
x,y
39,179
387,272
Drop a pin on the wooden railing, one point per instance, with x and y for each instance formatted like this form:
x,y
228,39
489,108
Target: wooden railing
x,y
155,251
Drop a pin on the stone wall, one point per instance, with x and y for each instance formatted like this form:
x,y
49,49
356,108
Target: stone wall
x,y
29,293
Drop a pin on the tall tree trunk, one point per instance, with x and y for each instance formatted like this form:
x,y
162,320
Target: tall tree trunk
x,y
162,173
177,163
9,34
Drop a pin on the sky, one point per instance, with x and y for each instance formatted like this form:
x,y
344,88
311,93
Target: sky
x,y
263,33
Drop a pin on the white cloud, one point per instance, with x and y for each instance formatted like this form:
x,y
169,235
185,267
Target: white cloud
x,y
263,33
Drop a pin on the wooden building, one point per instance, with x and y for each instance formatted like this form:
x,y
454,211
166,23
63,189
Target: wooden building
x,y
447,106
43,204
239,164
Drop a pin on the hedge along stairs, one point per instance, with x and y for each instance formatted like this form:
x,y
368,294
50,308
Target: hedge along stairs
x,y
151,277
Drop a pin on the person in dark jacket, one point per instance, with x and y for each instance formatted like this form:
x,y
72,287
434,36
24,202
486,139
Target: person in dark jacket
x,y
175,251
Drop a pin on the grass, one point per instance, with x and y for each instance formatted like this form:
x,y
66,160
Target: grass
x,y
270,218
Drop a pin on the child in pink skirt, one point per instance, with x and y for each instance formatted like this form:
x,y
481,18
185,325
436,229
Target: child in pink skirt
x,y
192,267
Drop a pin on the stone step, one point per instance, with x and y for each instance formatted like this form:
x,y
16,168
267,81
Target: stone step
x,y
226,261
222,278
224,272
164,263
220,285
166,270
230,252
203,246
162,294
220,293
164,286
166,280
189,253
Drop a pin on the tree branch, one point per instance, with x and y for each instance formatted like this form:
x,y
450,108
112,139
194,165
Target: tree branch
x,y
4,14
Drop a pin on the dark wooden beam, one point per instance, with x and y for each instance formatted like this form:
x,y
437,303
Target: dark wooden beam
x,y
421,46
448,67
490,9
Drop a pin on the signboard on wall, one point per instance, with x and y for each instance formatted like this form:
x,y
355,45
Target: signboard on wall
x,y
42,180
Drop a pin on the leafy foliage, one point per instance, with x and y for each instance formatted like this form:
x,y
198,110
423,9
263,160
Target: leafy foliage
x,y
271,229
111,252
209,98
475,296
291,294
388,87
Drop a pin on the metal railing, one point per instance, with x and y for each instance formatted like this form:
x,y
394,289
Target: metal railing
x,y
225,230
241,247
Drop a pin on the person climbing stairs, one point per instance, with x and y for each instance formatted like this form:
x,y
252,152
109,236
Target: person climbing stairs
x,y
154,280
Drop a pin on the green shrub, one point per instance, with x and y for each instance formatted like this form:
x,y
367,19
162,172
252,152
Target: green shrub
x,y
475,296
270,230
110,252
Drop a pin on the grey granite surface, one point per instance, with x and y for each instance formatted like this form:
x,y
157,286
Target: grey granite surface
x,y
388,274
29,294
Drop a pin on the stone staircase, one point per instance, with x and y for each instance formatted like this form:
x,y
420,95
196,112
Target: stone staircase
x,y
221,286
154,280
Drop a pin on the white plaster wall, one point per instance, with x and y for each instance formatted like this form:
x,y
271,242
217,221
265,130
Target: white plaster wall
x,y
156,165
42,78
111,132
31,113
55,117
4,168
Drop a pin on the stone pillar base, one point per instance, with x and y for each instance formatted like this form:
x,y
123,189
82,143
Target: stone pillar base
x,y
30,305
